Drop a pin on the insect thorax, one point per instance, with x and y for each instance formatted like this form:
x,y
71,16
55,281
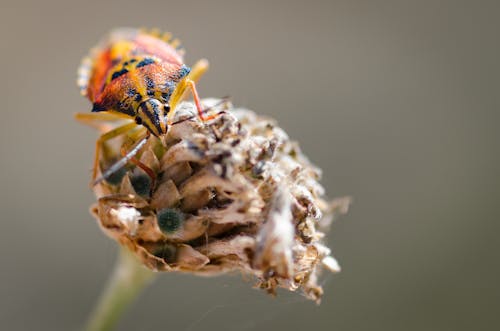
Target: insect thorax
x,y
135,80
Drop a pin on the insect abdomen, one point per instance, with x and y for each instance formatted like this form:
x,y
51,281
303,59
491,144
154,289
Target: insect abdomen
x,y
130,60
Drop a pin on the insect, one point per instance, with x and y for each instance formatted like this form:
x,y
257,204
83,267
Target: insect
x,y
136,77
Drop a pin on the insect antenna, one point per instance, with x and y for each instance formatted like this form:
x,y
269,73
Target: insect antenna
x,y
129,156
123,161
141,165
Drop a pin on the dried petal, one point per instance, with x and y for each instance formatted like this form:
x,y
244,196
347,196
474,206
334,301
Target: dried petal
x,y
230,193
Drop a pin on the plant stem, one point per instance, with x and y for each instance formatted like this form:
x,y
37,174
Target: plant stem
x,y
128,280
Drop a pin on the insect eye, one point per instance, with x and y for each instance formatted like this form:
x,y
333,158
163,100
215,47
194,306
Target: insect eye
x,y
138,120
167,108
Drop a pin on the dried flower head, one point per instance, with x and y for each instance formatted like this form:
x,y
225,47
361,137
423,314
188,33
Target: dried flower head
x,y
232,193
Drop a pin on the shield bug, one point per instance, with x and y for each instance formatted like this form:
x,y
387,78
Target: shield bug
x,y
134,78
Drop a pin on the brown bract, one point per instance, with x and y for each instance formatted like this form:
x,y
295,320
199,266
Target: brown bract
x,y
232,194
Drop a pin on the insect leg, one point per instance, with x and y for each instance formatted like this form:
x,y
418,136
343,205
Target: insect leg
x,y
196,99
105,137
124,160
197,71
221,102
124,151
102,121
183,85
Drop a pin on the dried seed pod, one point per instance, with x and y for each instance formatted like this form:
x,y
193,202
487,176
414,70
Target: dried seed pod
x,y
231,193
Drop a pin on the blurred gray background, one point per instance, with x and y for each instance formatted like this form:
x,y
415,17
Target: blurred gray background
x,y
397,101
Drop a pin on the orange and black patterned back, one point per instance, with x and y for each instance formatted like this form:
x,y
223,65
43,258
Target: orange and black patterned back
x,y
129,67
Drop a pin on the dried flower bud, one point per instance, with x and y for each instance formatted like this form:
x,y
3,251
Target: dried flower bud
x,y
232,193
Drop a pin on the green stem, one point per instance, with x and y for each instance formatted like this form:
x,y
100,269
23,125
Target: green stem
x,y
128,280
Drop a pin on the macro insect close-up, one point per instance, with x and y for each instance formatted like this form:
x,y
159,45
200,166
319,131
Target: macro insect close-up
x,y
133,74
249,165
191,189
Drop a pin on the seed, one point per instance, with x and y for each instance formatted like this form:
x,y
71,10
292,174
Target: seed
x,y
170,220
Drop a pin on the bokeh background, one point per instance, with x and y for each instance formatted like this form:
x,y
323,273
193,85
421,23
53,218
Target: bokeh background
x,y
397,101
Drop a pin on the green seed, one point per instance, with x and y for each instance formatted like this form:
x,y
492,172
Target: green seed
x,y
170,220
116,177
166,252
141,184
